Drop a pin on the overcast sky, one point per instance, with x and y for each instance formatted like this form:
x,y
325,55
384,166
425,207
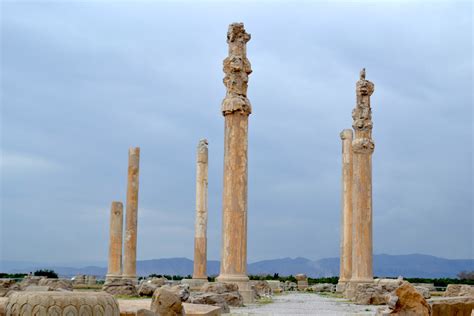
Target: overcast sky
x,y
84,81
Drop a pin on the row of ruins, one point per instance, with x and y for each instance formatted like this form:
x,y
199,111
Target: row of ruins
x,y
356,228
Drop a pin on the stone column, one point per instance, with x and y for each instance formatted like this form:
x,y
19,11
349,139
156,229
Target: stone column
x,y
236,109
130,242
200,234
362,148
346,214
114,270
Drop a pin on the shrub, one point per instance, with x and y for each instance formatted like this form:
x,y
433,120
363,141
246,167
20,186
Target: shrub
x,y
47,273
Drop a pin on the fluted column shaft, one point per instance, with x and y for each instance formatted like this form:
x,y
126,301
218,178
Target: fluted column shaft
x,y
236,109
346,210
362,147
114,270
130,242
200,234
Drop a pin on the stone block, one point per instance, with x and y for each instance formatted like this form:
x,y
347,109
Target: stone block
x,y
194,284
460,306
201,310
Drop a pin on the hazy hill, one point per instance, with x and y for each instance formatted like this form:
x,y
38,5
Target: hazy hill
x,y
414,265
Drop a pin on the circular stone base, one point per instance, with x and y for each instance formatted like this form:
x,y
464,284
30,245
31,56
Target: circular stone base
x,y
61,303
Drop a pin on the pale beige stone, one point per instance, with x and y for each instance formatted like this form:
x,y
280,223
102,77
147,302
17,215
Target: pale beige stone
x,y
3,305
61,303
114,269
362,148
459,306
130,241
201,310
200,234
236,109
410,302
346,216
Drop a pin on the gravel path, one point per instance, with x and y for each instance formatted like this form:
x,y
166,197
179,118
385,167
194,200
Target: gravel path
x,y
305,304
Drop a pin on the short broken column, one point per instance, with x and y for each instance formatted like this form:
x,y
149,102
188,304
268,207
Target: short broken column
x,y
114,270
302,281
236,109
200,233
345,271
131,217
362,148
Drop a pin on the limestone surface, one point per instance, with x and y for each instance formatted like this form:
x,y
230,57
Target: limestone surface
x,y
453,290
61,303
345,273
261,288
131,216
166,302
147,289
323,287
236,109
200,232
114,269
120,287
461,306
362,148
409,302
201,309
57,284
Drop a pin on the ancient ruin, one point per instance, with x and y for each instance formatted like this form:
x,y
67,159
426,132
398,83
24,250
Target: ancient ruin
x,y
346,215
130,242
114,270
200,233
362,149
236,109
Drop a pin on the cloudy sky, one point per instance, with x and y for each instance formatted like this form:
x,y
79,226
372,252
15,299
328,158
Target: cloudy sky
x,y
84,81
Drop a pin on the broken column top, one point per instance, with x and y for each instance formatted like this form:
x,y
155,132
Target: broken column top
x,y
346,134
237,69
364,89
202,150
362,116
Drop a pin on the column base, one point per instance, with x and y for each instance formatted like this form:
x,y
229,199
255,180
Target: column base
x,y
132,278
112,277
341,286
243,283
350,289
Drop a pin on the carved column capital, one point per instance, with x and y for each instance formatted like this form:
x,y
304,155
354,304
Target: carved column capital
x,y
362,116
237,68
363,146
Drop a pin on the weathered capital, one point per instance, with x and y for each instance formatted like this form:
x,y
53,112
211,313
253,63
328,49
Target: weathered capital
x,y
362,113
346,134
202,150
363,146
237,69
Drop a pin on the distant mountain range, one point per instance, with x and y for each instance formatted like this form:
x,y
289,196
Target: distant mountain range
x,y
414,265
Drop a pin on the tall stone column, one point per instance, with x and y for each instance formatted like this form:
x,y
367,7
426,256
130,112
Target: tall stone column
x,y
130,243
362,148
200,234
236,109
346,212
114,270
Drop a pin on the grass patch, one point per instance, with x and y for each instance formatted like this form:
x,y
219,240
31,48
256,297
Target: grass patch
x,y
264,300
